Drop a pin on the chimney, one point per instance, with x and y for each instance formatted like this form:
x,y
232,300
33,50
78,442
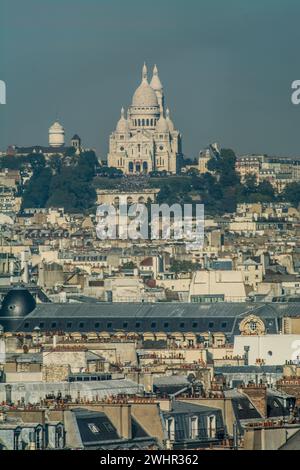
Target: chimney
x,y
8,389
257,394
246,355
24,267
125,422
120,416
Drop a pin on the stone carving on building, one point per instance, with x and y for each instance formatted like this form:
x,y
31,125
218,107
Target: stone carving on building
x,y
252,325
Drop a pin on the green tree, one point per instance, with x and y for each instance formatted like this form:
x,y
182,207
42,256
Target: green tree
x,y
36,193
292,194
178,266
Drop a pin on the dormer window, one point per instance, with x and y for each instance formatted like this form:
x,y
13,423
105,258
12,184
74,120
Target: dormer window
x,y
194,427
211,426
170,428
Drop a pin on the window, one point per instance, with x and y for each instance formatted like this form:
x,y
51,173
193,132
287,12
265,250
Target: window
x,y
16,440
166,325
59,441
181,325
26,325
170,428
224,324
194,427
92,427
195,324
97,325
211,324
107,426
81,325
69,324
211,426
137,325
109,325
38,438
153,324
53,325
125,324
42,324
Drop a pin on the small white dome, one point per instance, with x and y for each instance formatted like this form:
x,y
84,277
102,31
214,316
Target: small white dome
x,y
122,126
169,121
155,82
56,135
162,125
56,127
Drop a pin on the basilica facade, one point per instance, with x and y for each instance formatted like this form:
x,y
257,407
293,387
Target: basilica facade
x,y
145,138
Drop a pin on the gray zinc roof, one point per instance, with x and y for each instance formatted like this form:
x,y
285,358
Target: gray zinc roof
x,y
164,310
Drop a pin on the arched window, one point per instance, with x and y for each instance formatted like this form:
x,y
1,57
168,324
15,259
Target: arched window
x,y
147,122
145,166
143,122
130,167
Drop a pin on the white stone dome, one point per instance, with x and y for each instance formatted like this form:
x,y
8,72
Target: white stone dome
x,y
169,121
144,96
162,125
123,125
56,127
155,82
56,135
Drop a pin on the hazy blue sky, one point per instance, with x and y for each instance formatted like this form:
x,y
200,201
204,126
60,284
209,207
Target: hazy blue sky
x,y
226,66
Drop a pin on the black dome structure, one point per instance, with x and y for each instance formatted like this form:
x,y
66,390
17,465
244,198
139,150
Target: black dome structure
x,y
17,303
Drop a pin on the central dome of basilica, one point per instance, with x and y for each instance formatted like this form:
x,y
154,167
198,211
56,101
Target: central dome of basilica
x,y
144,94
